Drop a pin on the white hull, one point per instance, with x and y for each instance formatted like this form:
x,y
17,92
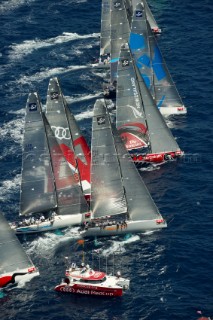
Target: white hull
x,y
166,111
60,222
132,227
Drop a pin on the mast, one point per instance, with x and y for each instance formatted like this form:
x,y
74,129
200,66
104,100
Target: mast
x,y
107,192
37,181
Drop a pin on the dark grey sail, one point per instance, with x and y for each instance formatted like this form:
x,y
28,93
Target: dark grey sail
x,y
70,198
37,182
67,133
119,34
130,117
166,93
107,193
105,28
139,201
14,261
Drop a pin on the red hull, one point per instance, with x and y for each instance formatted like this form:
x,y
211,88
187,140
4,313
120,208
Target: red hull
x,y
89,290
157,157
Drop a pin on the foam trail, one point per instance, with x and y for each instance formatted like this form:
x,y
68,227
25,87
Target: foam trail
x,y
83,97
45,246
13,129
9,187
118,246
28,46
13,4
84,115
46,73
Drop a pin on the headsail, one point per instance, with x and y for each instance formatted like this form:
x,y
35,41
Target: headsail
x,y
107,192
37,183
14,262
139,201
68,135
166,93
105,28
119,34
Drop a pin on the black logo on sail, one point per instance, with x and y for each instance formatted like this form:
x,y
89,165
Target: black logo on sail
x,y
54,95
32,107
138,13
101,120
125,62
117,4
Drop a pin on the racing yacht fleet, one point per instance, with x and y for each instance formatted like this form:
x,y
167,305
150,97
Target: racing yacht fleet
x,y
65,184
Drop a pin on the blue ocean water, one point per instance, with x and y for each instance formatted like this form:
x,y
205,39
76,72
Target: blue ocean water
x,y
170,270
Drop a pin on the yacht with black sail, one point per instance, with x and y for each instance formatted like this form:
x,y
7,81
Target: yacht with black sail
x,y
15,265
138,120
51,197
120,202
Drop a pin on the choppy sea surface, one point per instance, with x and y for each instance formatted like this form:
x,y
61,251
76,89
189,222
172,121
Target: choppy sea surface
x,y
170,270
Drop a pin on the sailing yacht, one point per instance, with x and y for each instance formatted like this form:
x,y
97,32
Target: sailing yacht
x,y
120,202
51,196
15,265
68,135
152,65
139,122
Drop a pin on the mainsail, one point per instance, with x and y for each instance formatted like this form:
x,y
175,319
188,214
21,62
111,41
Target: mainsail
x,y
152,66
14,262
107,192
37,182
105,28
119,34
68,134
130,117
